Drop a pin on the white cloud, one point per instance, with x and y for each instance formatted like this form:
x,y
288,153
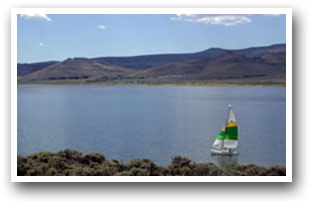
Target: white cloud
x,y
41,44
43,17
227,20
101,27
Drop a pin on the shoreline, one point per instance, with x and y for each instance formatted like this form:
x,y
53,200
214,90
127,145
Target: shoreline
x,y
73,163
156,84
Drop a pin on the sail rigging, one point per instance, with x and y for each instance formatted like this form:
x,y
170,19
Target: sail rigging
x,y
228,136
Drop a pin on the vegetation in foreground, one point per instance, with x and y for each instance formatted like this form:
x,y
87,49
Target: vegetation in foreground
x,y
73,163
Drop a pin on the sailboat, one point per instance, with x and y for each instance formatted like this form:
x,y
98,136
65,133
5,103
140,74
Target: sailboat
x,y
226,142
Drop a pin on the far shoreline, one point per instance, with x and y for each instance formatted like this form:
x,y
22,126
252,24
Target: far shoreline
x,y
195,84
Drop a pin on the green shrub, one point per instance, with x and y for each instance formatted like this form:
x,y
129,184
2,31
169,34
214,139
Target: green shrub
x,y
93,157
106,171
82,171
179,161
207,169
51,172
275,171
22,166
69,154
72,163
146,165
123,173
138,172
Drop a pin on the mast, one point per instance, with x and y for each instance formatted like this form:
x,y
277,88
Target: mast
x,y
229,108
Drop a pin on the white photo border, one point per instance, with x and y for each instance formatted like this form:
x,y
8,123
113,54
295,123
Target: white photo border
x,y
286,11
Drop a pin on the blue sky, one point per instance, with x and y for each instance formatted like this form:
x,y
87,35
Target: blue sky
x,y
56,37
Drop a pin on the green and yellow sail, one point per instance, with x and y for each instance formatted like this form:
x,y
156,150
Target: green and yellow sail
x,y
228,136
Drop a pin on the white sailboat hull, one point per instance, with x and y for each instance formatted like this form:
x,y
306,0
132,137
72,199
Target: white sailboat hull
x,y
224,152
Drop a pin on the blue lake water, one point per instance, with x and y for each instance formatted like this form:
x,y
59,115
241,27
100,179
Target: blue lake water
x,y
155,122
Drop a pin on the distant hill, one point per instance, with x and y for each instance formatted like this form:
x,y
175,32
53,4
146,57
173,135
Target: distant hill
x,y
77,68
149,61
27,68
261,51
251,65
228,65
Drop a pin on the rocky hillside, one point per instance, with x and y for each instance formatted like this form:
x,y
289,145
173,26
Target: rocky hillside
x,y
77,68
247,66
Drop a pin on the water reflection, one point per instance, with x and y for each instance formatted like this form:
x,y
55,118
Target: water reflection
x,y
225,162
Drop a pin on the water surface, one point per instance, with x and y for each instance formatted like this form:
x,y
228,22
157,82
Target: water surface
x,y
155,122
